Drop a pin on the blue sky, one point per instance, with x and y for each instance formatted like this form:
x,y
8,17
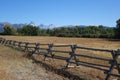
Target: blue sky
x,y
61,12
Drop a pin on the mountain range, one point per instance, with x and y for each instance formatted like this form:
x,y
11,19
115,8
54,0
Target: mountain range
x,y
41,26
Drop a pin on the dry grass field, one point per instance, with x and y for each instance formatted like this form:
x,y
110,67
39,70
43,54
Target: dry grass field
x,y
88,42
13,66
85,42
84,72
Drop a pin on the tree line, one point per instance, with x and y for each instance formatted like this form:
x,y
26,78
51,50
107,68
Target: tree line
x,y
75,31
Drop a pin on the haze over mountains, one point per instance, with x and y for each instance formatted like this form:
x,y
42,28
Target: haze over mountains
x,y
41,26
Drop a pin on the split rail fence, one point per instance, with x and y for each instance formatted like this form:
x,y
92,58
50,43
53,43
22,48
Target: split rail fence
x,y
35,48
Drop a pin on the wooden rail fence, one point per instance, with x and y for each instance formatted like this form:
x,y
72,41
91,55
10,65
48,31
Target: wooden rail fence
x,y
48,51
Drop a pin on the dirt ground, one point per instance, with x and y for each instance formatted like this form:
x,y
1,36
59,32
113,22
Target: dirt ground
x,y
13,66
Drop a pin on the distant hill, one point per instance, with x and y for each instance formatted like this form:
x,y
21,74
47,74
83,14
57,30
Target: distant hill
x,y
50,26
18,25
2,25
1,28
41,26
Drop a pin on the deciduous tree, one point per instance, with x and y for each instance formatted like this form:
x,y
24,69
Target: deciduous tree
x,y
9,30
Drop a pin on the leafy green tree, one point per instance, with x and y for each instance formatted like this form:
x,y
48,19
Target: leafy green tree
x,y
75,31
43,32
49,32
29,30
89,31
118,29
9,30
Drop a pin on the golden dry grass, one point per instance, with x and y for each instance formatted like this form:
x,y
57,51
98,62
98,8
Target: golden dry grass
x,y
13,66
87,42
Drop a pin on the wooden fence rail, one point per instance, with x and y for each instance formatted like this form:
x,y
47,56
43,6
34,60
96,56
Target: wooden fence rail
x,y
36,48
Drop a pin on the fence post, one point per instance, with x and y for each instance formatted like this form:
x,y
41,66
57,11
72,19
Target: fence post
x,y
3,41
72,55
19,44
49,51
26,47
36,48
118,63
14,43
10,43
7,42
113,63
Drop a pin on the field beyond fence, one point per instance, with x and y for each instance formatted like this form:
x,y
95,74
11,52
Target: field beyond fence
x,y
74,56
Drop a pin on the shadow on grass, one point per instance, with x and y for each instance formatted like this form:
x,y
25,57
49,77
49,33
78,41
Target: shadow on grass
x,y
116,40
61,71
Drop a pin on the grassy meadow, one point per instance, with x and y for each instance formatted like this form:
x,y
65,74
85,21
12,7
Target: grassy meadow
x,y
87,42
14,66
85,72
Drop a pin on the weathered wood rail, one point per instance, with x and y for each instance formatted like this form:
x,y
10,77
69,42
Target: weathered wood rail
x,y
48,51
